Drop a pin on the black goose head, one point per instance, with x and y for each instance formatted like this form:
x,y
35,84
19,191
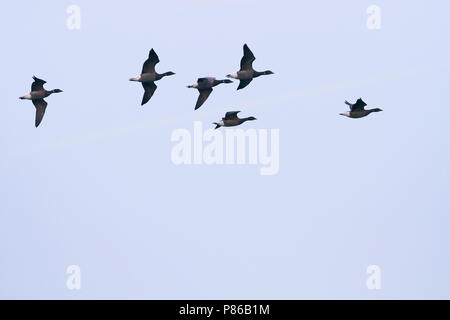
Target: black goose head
x,y
261,73
250,118
56,91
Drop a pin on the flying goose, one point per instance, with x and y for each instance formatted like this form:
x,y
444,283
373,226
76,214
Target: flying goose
x,y
246,74
357,109
231,119
205,87
148,76
37,95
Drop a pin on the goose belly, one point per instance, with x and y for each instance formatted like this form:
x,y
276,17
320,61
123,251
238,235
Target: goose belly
x,y
245,75
358,114
231,123
148,77
38,95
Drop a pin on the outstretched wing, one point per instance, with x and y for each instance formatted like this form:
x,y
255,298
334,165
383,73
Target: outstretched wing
x,y
204,94
38,84
231,115
247,59
149,64
243,83
149,88
40,105
206,82
359,105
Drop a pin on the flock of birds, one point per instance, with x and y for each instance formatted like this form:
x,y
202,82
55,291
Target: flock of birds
x,y
205,85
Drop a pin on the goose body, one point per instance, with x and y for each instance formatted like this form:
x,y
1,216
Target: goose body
x,y
246,73
205,87
357,109
37,95
231,120
148,76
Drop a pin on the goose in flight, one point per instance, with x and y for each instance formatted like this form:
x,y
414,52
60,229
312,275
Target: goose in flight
x,y
37,95
231,120
357,109
246,74
205,87
148,76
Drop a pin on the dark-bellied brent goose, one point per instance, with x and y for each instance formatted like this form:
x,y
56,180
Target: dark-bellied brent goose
x,y
357,109
231,120
205,87
37,95
148,76
246,74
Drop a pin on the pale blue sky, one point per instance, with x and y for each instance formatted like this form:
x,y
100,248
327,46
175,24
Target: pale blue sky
x,y
94,185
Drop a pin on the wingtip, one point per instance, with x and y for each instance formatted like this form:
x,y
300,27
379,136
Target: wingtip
x,y
39,79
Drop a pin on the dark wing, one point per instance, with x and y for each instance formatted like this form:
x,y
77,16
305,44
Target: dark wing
x,y
149,64
243,83
199,80
231,115
247,59
359,105
38,84
204,94
40,105
149,88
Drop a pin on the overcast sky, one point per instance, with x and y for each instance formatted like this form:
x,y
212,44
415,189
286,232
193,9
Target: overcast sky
x,y
94,185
